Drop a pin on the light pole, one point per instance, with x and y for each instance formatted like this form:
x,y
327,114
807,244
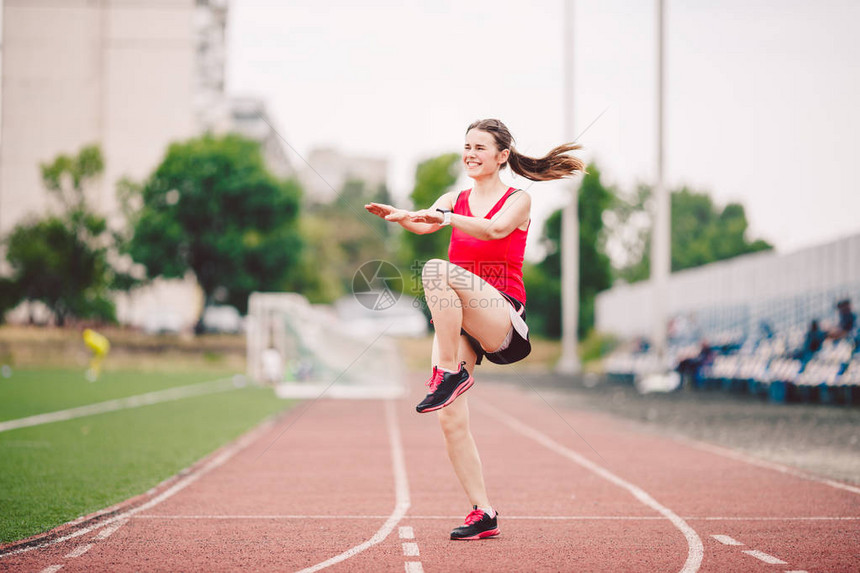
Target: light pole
x,y
660,245
569,245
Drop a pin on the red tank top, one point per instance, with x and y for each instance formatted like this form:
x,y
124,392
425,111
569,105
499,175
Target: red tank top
x,y
500,261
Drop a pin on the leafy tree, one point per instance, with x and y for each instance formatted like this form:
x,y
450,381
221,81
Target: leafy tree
x,y
544,300
701,233
212,207
340,238
362,239
543,281
628,226
433,178
62,260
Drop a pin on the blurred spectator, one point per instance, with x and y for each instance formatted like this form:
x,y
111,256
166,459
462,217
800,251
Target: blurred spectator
x,y
766,329
689,367
847,320
812,343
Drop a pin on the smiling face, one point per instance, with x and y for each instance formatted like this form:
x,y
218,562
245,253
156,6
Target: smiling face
x,y
481,157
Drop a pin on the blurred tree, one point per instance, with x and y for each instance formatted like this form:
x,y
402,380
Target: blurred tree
x,y
628,227
544,300
433,178
543,281
702,233
321,260
62,260
341,237
212,207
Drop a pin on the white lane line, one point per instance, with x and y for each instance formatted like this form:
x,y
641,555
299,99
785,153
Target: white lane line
x,y
557,517
771,518
79,550
402,502
770,559
726,540
108,531
406,532
695,549
650,518
410,549
51,569
507,517
729,453
169,395
227,453
158,516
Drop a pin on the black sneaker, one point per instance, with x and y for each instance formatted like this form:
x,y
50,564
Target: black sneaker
x,y
444,388
478,525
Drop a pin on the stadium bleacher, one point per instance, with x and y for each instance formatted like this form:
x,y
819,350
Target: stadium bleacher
x,y
758,349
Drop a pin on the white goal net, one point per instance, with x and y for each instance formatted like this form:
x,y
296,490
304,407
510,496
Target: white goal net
x,y
306,351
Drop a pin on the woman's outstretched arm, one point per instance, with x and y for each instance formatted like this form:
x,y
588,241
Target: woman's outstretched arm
x,y
404,217
515,213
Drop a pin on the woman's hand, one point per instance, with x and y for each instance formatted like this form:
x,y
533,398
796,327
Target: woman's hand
x,y
387,212
427,216
419,222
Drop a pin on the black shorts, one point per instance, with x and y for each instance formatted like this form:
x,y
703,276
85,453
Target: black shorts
x,y
519,347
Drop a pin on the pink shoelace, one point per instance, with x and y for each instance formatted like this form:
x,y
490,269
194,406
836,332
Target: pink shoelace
x,y
435,379
474,517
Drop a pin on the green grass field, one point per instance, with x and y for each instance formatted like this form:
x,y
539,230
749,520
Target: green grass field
x,y
55,472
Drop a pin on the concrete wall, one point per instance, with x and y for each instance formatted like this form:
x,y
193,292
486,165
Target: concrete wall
x,y
746,287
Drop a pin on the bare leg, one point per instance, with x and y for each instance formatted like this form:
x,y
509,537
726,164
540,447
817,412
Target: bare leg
x,y
462,450
455,298
458,299
444,305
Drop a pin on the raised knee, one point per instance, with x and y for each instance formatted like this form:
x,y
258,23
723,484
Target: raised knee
x,y
434,268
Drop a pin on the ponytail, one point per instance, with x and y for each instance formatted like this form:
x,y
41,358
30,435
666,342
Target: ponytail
x,y
554,165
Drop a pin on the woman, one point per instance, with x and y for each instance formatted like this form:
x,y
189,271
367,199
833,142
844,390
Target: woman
x,y
477,298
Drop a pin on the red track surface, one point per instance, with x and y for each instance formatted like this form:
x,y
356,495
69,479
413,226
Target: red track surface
x,y
323,480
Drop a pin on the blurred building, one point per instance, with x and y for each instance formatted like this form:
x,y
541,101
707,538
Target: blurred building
x,y
331,169
248,116
130,75
211,108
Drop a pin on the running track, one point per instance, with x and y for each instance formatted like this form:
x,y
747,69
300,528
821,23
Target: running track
x,y
366,486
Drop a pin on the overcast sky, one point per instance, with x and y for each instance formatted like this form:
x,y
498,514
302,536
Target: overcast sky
x,y
762,95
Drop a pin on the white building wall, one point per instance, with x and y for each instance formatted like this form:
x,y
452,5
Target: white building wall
x,y
149,71
828,271
52,94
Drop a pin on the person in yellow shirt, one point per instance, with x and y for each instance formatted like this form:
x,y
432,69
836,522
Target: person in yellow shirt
x,y
100,346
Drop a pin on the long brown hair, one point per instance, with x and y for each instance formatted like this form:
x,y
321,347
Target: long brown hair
x,y
554,165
